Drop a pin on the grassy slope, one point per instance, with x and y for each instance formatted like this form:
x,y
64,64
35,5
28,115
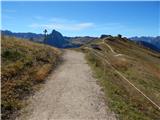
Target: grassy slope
x,y
140,66
24,65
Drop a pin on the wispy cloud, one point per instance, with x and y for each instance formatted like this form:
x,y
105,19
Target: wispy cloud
x,y
62,24
59,26
72,25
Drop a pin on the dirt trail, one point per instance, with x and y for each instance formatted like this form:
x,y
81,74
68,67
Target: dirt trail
x,y
70,93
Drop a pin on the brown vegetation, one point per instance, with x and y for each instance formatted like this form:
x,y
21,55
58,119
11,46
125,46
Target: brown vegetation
x,y
24,64
140,66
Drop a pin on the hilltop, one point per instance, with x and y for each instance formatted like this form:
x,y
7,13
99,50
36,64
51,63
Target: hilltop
x,y
119,63
25,65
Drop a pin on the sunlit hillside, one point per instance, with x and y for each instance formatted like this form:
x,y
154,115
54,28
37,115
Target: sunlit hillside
x,y
129,74
24,65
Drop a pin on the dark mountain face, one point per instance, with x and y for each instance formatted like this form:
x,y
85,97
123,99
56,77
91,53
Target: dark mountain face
x,y
56,39
156,41
143,38
151,42
148,45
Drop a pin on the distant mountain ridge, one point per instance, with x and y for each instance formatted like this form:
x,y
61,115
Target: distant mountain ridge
x,y
55,38
148,45
153,41
32,36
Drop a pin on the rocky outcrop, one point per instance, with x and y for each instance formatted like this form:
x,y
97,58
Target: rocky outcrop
x,y
55,38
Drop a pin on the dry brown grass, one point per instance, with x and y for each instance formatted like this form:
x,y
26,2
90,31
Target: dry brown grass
x,y
141,67
119,62
24,65
42,73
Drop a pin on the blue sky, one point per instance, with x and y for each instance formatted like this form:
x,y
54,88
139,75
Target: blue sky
x,y
83,18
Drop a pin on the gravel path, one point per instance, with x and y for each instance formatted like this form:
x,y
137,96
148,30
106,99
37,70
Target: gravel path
x,y
70,93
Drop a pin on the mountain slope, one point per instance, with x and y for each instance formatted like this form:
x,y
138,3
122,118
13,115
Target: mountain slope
x,y
55,38
80,40
154,41
24,66
148,45
116,59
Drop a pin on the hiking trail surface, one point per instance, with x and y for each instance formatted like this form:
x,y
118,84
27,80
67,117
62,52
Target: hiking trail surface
x,y
70,93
